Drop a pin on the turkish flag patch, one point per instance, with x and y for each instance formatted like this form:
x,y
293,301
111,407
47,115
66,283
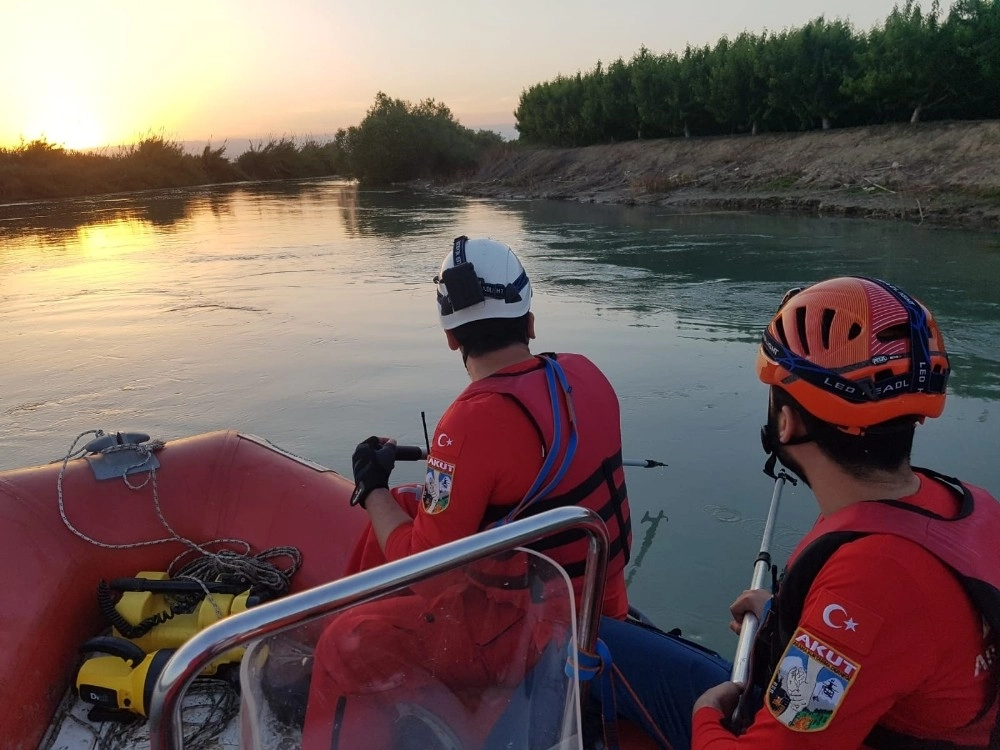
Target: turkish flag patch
x,y
834,618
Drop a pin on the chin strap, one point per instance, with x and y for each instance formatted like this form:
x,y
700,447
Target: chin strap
x,y
769,442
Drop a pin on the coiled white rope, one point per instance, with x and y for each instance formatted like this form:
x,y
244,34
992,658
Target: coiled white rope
x,y
254,568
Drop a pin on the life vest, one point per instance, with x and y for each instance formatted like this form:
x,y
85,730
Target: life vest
x,y
966,544
594,479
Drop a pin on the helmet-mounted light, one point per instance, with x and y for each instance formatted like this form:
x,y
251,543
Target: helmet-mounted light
x,y
465,288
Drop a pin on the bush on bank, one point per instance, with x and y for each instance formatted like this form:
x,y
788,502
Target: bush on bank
x,y
397,141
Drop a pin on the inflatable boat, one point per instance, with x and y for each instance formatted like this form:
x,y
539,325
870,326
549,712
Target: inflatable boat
x,y
123,517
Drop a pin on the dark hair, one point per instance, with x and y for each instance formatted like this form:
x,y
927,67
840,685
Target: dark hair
x,y
491,334
882,447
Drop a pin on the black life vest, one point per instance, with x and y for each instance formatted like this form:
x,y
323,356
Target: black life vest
x,y
967,544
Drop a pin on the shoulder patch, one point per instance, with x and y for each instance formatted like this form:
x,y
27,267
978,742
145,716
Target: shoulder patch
x,y
437,485
809,683
447,443
848,624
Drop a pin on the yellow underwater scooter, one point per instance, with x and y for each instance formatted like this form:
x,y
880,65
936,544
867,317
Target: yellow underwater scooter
x,y
154,616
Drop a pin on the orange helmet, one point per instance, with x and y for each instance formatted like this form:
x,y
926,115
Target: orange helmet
x,y
855,351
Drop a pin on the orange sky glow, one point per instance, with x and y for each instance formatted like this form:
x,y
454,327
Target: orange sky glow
x,y
110,72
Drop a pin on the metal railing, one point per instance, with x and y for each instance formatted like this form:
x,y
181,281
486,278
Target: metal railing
x,y
165,728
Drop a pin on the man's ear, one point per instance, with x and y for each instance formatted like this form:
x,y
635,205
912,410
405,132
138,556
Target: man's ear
x,y
531,325
789,424
452,341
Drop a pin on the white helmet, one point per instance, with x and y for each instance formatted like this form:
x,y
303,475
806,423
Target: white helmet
x,y
481,279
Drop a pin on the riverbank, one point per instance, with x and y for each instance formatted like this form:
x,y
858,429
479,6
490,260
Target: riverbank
x,y
944,173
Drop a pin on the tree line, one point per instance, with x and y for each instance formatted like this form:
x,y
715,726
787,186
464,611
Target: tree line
x,y
917,65
395,142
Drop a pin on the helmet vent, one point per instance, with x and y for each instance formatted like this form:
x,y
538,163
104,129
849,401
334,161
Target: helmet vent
x,y
854,332
828,316
894,333
800,323
779,327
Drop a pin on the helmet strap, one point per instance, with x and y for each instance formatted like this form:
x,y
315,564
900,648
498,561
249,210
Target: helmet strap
x,y
465,288
458,250
920,354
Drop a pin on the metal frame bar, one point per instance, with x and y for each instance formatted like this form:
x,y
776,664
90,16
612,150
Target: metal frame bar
x,y
165,727
761,569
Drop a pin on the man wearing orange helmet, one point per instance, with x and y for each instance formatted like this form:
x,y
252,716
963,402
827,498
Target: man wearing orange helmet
x,y
883,630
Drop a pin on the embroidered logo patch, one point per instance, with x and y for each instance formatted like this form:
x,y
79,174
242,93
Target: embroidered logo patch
x,y
809,684
437,485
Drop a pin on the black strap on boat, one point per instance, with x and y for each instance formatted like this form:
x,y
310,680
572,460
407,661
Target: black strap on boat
x,y
338,722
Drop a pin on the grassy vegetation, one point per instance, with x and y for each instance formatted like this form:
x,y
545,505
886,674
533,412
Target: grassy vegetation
x,y
38,169
396,142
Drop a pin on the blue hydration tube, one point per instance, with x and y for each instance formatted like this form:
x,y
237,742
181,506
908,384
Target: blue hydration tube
x,y
554,375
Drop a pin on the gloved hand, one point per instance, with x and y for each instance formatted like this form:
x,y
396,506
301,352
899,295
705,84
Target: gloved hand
x,y
373,461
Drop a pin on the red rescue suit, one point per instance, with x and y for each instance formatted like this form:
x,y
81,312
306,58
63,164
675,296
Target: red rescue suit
x,y
966,543
360,659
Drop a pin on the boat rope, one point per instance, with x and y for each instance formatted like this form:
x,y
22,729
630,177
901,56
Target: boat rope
x,y
208,707
207,711
649,724
256,569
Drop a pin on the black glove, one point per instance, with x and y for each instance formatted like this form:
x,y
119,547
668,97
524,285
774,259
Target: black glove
x,y
373,461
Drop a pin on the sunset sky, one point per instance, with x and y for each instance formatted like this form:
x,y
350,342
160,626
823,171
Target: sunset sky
x,y
108,72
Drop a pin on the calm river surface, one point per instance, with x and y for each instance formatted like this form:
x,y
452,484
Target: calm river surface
x,y
305,313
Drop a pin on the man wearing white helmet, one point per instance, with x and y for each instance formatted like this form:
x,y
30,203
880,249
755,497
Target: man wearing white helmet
x,y
529,433
504,449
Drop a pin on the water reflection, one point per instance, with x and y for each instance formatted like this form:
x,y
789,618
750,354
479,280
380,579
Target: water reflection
x,y
711,276
722,274
58,222
648,535
394,214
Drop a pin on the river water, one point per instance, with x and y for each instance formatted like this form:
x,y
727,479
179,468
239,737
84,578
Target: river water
x,y
305,313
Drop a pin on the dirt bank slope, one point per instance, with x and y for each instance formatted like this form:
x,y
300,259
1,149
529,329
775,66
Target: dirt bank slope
x,y
941,173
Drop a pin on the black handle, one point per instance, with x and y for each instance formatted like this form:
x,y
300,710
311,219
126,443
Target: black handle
x,y
410,453
109,644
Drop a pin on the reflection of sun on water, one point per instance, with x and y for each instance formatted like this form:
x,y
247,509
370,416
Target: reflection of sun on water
x,y
114,239
108,254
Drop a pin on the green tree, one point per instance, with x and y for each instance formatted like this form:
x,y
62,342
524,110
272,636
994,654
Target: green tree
x,y
906,66
737,88
974,33
398,141
829,57
693,87
655,92
620,116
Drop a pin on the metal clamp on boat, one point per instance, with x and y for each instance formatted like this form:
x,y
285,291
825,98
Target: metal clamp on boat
x,y
119,454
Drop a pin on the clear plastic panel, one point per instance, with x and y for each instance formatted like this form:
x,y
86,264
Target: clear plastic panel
x,y
473,658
